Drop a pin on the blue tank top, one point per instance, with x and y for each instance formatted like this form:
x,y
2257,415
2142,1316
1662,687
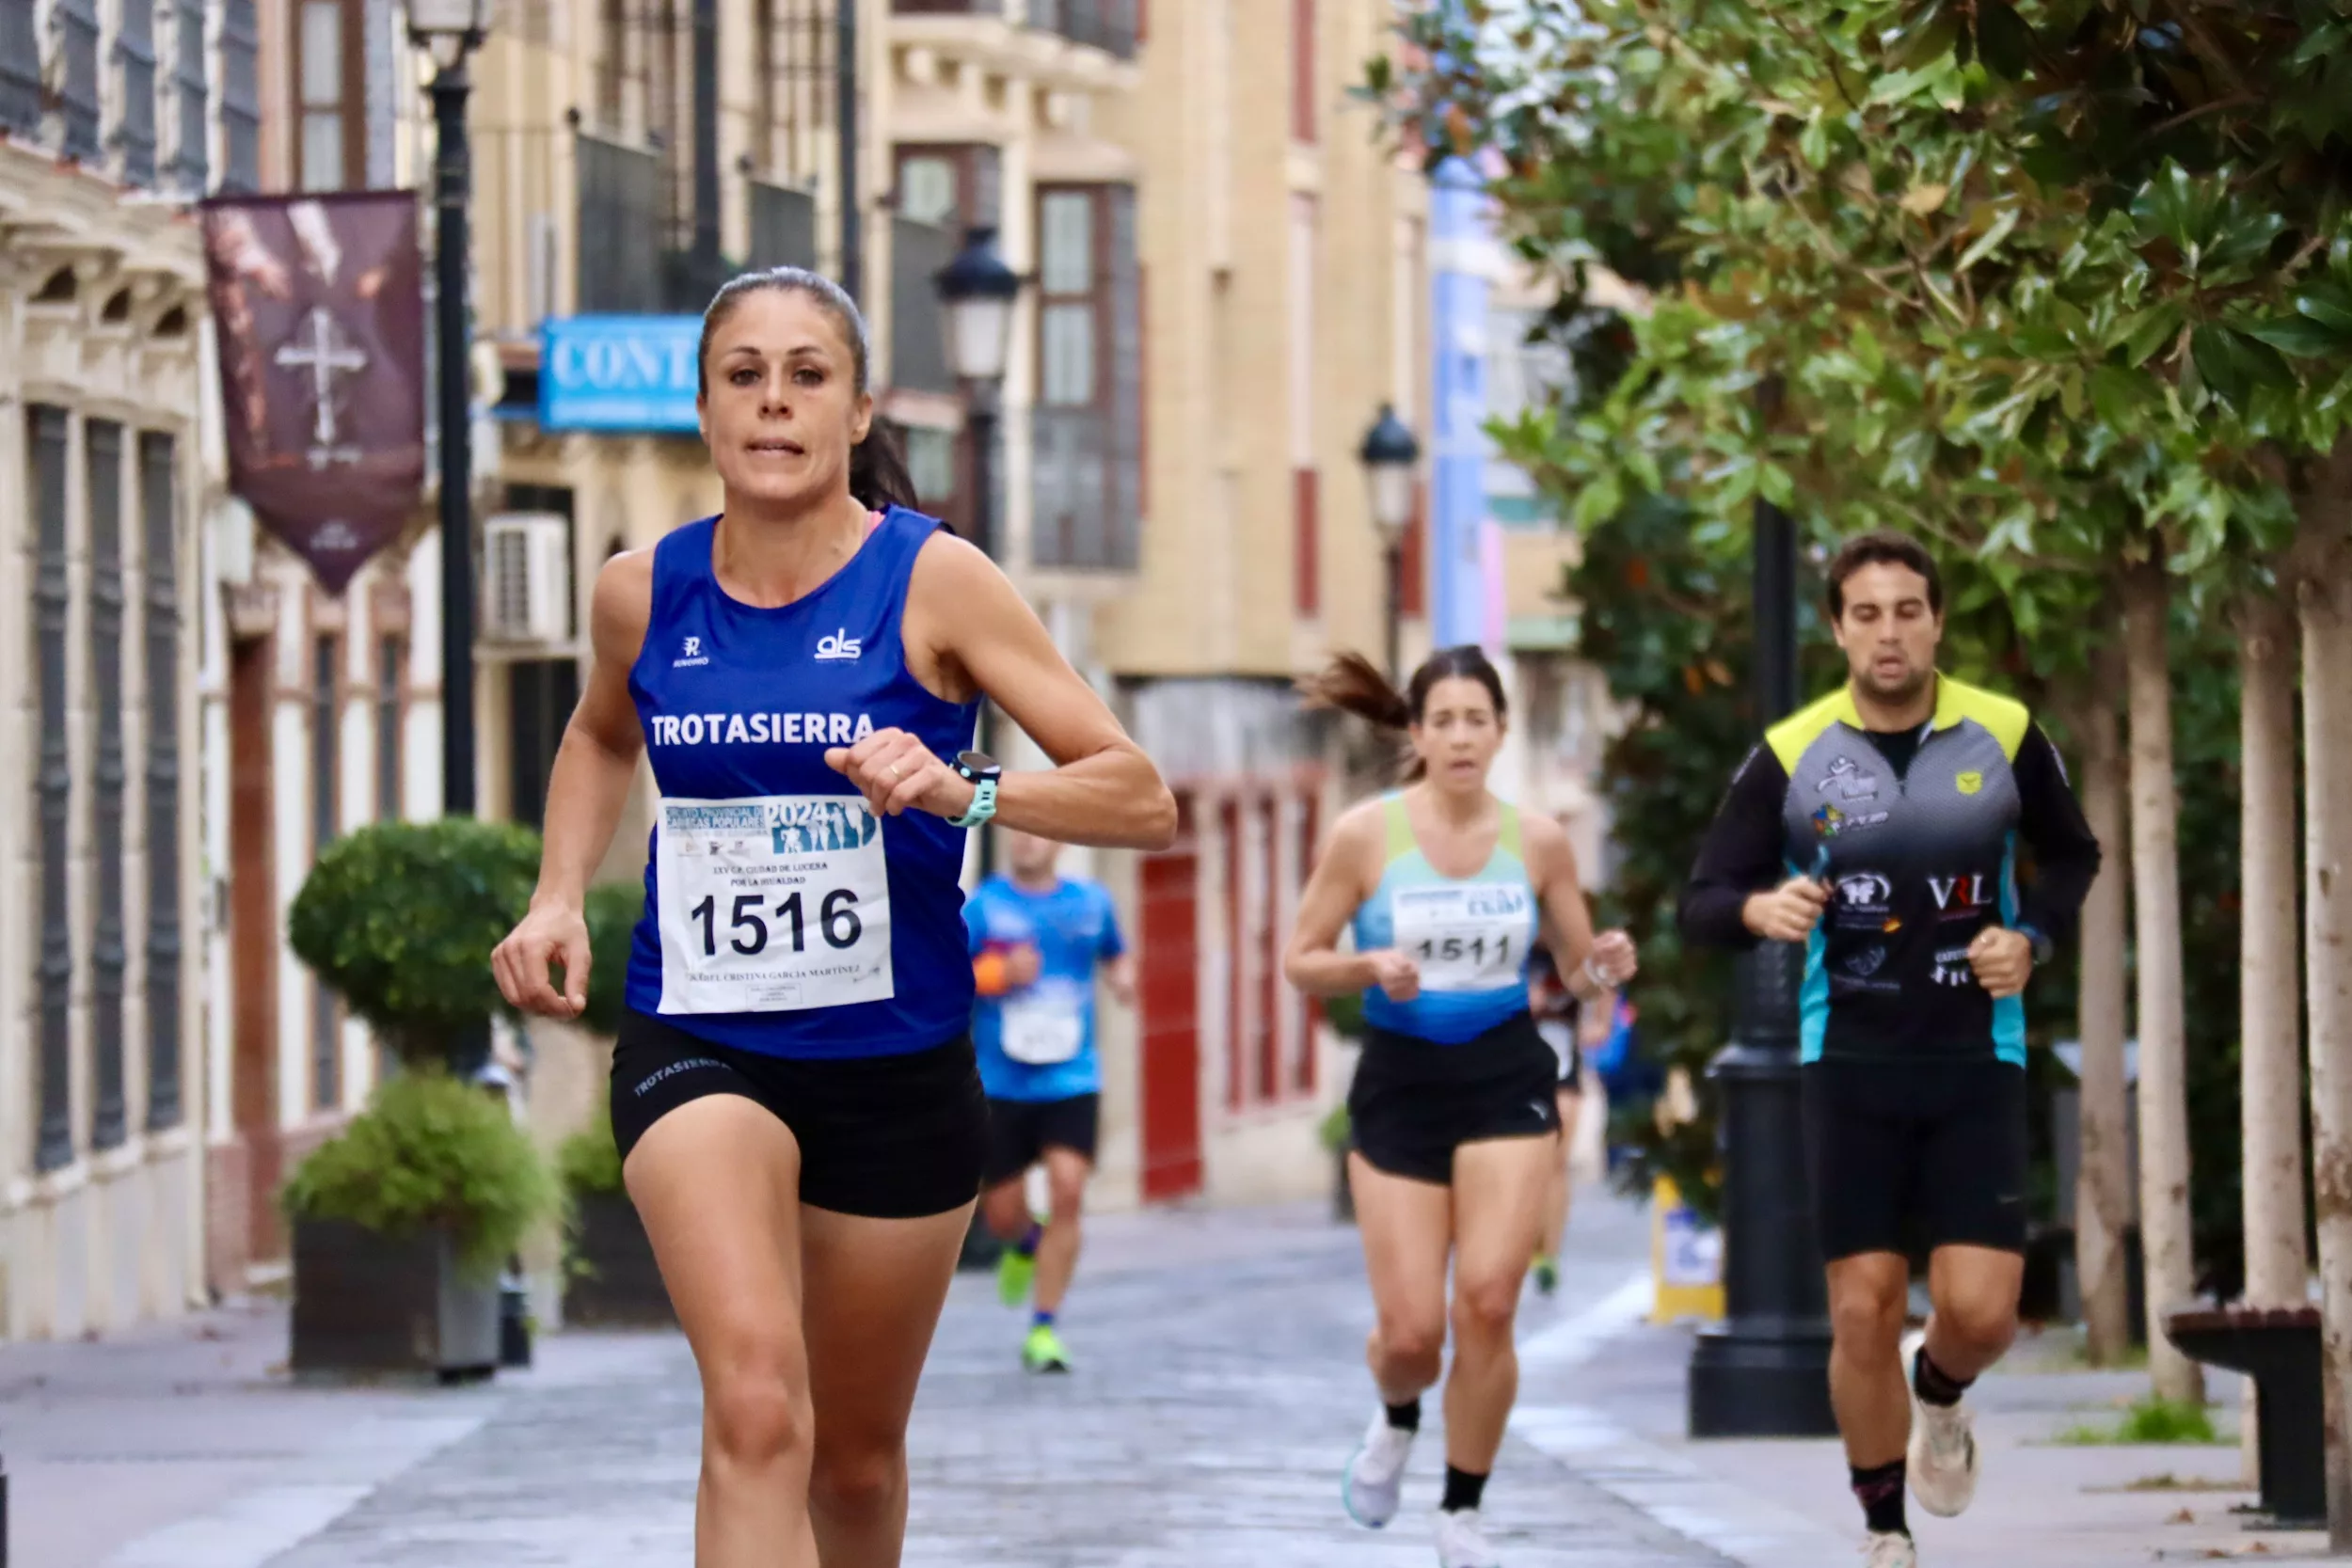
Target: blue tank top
x,y
781,916
1472,936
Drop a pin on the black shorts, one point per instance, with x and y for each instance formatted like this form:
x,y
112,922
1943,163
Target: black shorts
x,y
1413,1102
1021,1131
1905,1154
884,1137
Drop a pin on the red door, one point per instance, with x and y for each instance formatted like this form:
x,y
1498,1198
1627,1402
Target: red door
x,y
1170,981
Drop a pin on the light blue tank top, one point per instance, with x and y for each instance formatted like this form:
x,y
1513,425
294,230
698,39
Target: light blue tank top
x,y
782,915
1472,936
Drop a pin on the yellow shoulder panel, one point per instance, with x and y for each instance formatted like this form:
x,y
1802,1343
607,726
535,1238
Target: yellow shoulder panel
x,y
2005,717
1791,735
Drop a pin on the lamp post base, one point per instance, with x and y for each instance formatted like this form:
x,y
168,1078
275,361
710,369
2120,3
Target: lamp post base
x,y
1755,1380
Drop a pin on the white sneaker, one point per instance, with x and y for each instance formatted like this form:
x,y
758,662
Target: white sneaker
x,y
1375,1473
1892,1549
1462,1541
1942,1460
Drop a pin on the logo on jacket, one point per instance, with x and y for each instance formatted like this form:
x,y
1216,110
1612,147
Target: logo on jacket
x,y
839,646
1846,777
1959,898
1864,903
693,654
1828,822
1970,781
1867,962
1952,967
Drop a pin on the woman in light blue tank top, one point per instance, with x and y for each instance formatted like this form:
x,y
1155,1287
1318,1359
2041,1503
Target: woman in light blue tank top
x,y
1452,1113
794,1093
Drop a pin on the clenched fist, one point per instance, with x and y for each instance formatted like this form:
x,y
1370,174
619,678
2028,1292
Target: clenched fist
x,y
1789,912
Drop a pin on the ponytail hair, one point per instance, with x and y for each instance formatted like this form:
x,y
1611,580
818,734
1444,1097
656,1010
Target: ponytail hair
x,y
1352,683
877,469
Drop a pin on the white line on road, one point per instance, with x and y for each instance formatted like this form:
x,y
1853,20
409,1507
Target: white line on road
x,y
1573,1341
1675,1491
248,1528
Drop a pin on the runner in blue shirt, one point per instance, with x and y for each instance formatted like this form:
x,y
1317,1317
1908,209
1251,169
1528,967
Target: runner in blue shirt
x,y
1039,939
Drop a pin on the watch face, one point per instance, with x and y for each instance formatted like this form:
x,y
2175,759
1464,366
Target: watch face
x,y
978,762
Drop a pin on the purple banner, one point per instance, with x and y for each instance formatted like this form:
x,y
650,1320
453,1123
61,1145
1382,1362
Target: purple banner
x,y
320,305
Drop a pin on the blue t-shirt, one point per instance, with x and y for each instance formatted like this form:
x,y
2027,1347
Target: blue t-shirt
x,y
1037,1042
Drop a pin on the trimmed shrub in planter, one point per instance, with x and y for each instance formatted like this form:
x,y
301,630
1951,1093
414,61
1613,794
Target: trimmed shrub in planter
x,y
400,1222
611,1279
399,919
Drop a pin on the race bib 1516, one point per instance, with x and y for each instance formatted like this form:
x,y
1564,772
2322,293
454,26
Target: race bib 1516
x,y
772,904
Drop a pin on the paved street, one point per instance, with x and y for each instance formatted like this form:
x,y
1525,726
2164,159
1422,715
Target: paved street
x,y
1219,1387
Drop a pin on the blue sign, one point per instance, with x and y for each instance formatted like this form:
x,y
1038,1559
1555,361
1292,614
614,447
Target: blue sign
x,y
633,373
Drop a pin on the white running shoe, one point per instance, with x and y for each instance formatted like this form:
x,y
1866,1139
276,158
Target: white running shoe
x,y
1375,1473
1942,1455
1889,1550
1462,1541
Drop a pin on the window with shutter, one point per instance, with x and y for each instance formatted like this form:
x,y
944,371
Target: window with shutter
x,y
76,24
159,508
50,434
134,67
102,478
190,90
240,97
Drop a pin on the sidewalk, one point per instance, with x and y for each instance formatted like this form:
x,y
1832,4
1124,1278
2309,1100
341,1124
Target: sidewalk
x,y
1617,1418
1219,1386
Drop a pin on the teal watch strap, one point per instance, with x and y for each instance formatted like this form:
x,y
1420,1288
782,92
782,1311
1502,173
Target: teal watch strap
x,y
983,805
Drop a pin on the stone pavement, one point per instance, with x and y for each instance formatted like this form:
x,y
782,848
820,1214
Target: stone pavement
x,y
1219,1386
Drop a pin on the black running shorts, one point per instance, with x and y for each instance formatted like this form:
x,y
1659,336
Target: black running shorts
x,y
1021,1131
884,1137
1929,1153
1414,1103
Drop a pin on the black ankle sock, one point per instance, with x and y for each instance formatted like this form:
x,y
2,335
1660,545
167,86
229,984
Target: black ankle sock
x,y
1880,1490
1406,1417
1935,1384
1462,1490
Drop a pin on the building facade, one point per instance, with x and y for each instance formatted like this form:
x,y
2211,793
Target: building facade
x,y
1284,254
103,883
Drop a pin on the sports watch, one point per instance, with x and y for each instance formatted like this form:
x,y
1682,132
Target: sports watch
x,y
2042,947
982,773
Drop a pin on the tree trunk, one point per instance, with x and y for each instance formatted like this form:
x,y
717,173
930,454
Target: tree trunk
x,y
2271,1064
2102,1192
2164,1227
2327,607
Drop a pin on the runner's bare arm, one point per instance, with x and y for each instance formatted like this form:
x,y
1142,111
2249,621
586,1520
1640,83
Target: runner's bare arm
x,y
1567,919
1313,961
586,791
968,632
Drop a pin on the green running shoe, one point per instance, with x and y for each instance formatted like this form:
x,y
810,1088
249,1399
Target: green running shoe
x,y
1015,1273
1043,1350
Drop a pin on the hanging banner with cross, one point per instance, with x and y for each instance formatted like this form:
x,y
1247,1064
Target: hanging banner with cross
x,y
319,301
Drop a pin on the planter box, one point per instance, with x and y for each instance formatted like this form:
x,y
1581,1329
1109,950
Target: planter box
x,y
610,1277
366,1304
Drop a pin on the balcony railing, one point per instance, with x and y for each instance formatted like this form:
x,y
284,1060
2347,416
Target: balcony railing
x,y
783,226
1086,490
622,220
918,346
1106,24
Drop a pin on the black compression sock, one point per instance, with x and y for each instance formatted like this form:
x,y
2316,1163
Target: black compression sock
x,y
1406,1417
1935,1386
1880,1490
1462,1490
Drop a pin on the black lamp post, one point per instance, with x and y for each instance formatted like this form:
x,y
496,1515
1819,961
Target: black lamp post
x,y
980,292
1765,1372
1389,456
451,30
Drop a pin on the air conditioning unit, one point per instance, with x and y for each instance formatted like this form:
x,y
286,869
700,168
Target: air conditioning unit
x,y
526,577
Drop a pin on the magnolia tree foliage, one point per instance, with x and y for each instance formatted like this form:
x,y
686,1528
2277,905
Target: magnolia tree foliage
x,y
2028,279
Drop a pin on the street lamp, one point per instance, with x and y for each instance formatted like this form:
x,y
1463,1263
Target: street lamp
x,y
1390,456
450,30
978,291
1764,1372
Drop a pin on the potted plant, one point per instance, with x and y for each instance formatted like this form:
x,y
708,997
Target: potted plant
x,y
402,1221
400,1224
610,1277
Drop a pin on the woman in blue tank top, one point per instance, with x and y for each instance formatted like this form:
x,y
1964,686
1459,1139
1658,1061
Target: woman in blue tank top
x,y
794,1095
1453,1112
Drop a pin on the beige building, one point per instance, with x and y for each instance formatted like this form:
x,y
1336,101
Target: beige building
x,y
102,1098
